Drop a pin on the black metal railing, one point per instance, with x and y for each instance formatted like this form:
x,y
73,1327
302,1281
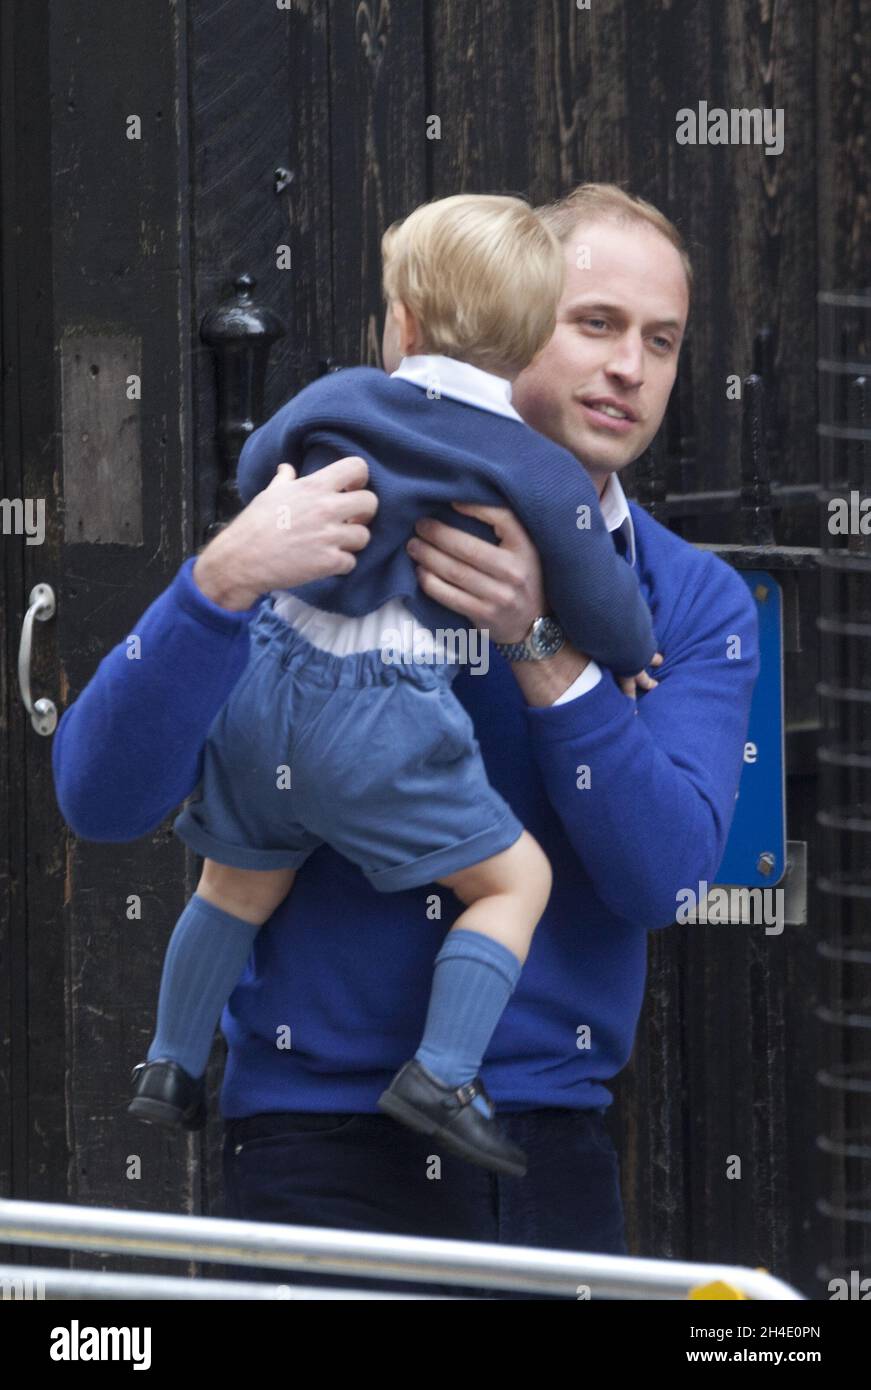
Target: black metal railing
x,y
844,816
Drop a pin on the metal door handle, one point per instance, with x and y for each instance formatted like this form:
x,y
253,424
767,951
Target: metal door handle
x,y
43,714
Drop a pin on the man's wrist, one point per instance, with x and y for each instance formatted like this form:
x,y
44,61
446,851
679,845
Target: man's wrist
x,y
217,574
542,682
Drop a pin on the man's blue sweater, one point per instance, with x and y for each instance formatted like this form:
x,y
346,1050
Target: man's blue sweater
x,y
348,969
424,452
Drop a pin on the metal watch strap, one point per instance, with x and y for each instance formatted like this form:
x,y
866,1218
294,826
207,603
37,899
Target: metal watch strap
x,y
523,651
515,651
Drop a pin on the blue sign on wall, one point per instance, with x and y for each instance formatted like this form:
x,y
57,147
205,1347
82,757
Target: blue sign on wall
x,y
755,854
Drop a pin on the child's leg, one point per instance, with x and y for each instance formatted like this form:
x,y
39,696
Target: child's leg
x,y
505,895
207,951
480,960
252,894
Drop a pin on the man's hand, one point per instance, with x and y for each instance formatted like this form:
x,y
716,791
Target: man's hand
x,y
295,530
497,587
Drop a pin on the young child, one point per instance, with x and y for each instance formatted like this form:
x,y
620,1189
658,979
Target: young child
x,y
328,737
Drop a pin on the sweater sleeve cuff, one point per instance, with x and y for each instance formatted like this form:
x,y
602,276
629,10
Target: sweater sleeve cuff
x,y
191,598
581,717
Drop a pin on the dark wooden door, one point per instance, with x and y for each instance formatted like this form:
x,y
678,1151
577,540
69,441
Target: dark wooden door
x,y
95,298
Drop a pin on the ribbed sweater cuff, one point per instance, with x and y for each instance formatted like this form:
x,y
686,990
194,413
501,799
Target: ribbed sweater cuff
x,y
191,598
578,718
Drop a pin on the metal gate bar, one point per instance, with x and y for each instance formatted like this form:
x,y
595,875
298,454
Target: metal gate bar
x,y
32,1283
312,1248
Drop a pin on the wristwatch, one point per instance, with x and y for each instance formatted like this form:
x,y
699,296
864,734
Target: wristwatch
x,y
543,639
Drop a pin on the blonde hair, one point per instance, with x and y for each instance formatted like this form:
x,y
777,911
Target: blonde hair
x,y
597,202
482,275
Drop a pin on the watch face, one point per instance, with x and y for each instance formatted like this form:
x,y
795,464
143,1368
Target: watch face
x,y
546,637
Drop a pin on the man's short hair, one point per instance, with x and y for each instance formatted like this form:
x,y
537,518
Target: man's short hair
x,y
482,274
601,202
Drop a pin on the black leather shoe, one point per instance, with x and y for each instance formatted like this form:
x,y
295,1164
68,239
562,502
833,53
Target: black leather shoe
x,y
165,1094
420,1100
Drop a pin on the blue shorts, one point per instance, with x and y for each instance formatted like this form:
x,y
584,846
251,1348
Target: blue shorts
x,y
381,760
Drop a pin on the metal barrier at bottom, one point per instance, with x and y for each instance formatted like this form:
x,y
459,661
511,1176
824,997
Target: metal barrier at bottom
x,y
524,1269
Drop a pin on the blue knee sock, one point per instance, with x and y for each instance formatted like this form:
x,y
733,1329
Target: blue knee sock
x,y
204,959
473,980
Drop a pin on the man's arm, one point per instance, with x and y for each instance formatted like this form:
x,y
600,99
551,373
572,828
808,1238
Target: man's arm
x,y
129,749
646,791
587,583
544,682
663,770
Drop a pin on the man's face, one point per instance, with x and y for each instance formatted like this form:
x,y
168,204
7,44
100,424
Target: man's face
x,y
619,327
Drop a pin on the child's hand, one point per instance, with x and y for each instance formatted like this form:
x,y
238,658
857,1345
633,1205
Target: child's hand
x,y
630,685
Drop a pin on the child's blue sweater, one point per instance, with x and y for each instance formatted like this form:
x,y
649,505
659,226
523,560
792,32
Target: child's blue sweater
x,y
348,969
423,453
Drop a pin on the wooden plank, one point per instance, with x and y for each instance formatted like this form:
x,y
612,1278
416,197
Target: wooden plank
x,y
648,1122
237,69
378,143
25,194
308,215
120,269
37,957
843,156
102,447
579,113
482,95
769,208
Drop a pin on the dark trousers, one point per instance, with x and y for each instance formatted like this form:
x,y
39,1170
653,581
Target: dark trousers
x,y
365,1172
